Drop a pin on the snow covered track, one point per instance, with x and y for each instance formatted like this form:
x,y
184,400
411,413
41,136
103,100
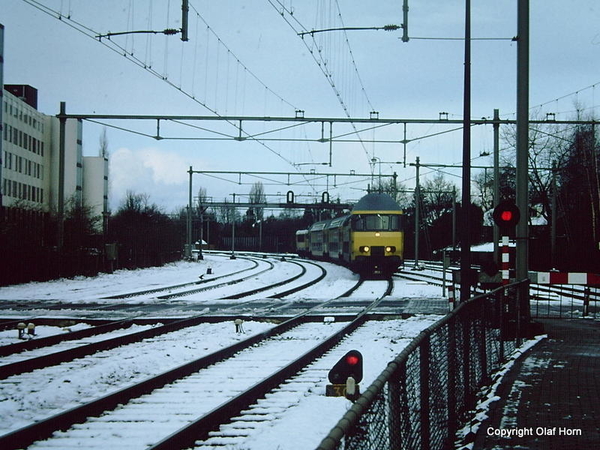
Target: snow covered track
x,y
6,350
182,395
107,337
200,429
148,418
209,281
62,421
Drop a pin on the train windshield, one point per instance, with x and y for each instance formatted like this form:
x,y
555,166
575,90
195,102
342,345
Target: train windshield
x,y
376,222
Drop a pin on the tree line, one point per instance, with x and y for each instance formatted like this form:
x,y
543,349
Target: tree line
x,y
564,214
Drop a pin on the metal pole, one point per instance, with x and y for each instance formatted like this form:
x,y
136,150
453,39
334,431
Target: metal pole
x,y
417,214
61,175
1,120
454,221
553,219
184,20
233,230
188,250
522,234
465,242
496,181
405,37
200,254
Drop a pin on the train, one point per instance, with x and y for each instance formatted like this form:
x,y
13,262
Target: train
x,y
369,240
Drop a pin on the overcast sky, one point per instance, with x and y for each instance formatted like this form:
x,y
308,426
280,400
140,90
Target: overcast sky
x,y
245,58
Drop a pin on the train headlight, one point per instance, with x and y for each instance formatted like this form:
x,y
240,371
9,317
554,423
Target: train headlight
x,y
390,249
365,249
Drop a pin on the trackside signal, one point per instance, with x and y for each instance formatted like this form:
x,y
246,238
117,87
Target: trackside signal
x,y
506,215
345,376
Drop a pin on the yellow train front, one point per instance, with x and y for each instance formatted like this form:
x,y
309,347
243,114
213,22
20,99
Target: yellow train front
x,y
375,235
368,240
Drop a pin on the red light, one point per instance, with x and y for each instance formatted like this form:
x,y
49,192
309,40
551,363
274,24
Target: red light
x,y
352,360
506,216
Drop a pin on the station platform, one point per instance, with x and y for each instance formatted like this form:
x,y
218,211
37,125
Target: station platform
x,y
550,398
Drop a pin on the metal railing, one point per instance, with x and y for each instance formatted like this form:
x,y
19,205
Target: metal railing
x,y
564,301
423,395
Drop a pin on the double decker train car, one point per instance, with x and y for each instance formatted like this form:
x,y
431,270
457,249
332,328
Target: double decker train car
x,y
368,240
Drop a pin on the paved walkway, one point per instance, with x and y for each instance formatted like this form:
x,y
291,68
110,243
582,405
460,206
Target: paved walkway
x,y
550,399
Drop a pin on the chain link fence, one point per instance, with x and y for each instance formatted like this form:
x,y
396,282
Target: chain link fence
x,y
565,301
421,398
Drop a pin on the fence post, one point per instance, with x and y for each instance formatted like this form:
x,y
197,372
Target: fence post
x,y
394,421
466,355
451,355
500,307
586,301
424,397
483,340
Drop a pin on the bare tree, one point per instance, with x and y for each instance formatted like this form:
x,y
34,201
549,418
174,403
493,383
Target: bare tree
x,y
548,145
257,196
396,190
438,197
103,152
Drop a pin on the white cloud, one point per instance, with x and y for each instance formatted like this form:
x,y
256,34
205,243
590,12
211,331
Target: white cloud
x,y
166,167
160,174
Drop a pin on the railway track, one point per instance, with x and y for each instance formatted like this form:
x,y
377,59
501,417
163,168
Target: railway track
x,y
75,345
195,383
545,300
69,346
191,286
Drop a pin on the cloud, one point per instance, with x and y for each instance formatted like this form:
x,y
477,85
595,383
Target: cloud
x,y
167,167
160,174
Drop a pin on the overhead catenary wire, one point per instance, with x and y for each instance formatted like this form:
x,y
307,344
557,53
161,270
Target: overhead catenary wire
x,y
163,75
317,55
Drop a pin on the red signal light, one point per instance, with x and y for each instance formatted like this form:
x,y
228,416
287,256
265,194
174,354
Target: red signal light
x,y
349,365
352,360
506,215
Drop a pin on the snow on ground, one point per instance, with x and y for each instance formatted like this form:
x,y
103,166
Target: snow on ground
x,y
39,394
11,336
32,396
82,289
310,419
489,395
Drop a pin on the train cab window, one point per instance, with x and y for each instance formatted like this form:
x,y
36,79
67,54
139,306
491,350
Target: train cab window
x,y
376,222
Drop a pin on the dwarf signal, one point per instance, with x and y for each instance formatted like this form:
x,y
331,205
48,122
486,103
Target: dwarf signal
x,y
345,376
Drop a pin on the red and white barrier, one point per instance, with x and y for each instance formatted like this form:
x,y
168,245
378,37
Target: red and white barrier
x,y
587,279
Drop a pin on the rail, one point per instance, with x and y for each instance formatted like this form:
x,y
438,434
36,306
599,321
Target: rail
x,y
423,395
